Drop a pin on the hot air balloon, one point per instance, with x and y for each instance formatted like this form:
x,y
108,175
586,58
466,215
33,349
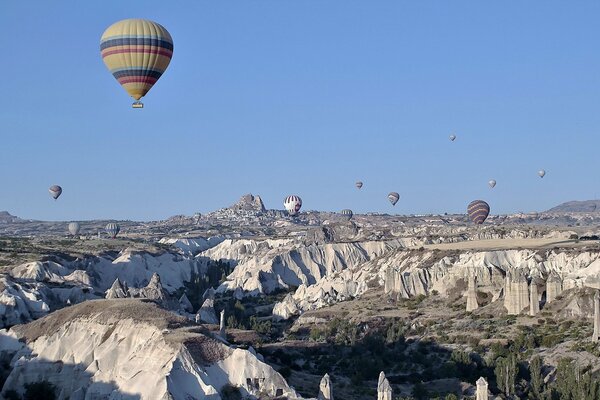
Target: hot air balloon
x,y
359,184
292,204
55,191
347,214
541,173
74,228
478,211
492,183
112,229
452,138
393,197
137,52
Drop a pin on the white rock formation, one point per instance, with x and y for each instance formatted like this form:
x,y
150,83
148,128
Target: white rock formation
x,y
222,328
325,392
482,389
123,349
153,290
516,292
193,246
472,304
553,286
207,312
117,290
384,389
534,299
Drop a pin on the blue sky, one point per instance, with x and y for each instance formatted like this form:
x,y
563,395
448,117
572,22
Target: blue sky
x,y
306,97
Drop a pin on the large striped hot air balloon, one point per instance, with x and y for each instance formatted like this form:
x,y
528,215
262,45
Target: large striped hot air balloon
x,y
292,204
478,211
347,214
74,228
112,229
55,191
359,185
393,198
137,52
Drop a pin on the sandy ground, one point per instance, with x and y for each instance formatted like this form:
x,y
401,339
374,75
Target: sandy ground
x,y
508,244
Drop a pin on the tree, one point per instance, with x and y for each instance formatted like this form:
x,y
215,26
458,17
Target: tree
x,y
506,374
40,390
537,380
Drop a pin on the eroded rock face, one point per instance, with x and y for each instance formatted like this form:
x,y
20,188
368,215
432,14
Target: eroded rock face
x,y
249,202
325,392
121,348
516,292
117,291
384,389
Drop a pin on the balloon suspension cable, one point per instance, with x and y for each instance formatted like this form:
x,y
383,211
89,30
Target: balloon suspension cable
x,y
137,104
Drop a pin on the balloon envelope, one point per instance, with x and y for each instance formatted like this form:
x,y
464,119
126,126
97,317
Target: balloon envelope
x,y
478,211
541,173
113,229
453,137
359,184
492,183
137,52
347,214
74,228
292,204
55,191
393,198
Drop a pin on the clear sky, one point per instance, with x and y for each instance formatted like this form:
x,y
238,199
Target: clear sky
x,y
278,97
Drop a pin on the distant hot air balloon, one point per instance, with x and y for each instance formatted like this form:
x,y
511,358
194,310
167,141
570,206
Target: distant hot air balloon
x,y
492,183
359,184
55,191
137,52
393,197
452,138
74,228
112,229
478,211
541,173
347,214
292,204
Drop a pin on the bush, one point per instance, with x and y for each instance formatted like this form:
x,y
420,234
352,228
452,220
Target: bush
x,y
230,392
40,390
12,395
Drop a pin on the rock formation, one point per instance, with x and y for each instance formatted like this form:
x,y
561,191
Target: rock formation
x,y
516,292
207,312
553,286
117,290
534,299
482,389
325,392
222,331
596,334
152,291
185,304
472,295
81,350
384,390
249,202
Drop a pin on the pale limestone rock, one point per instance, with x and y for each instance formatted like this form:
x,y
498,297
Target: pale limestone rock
x,y
207,312
534,299
222,325
325,392
472,295
117,290
185,304
384,389
482,389
516,292
553,286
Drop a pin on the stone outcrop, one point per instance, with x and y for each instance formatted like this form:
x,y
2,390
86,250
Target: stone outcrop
x,y
127,348
152,291
553,286
482,389
249,202
325,392
222,331
207,312
185,304
472,295
384,389
534,299
117,290
516,292
333,232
